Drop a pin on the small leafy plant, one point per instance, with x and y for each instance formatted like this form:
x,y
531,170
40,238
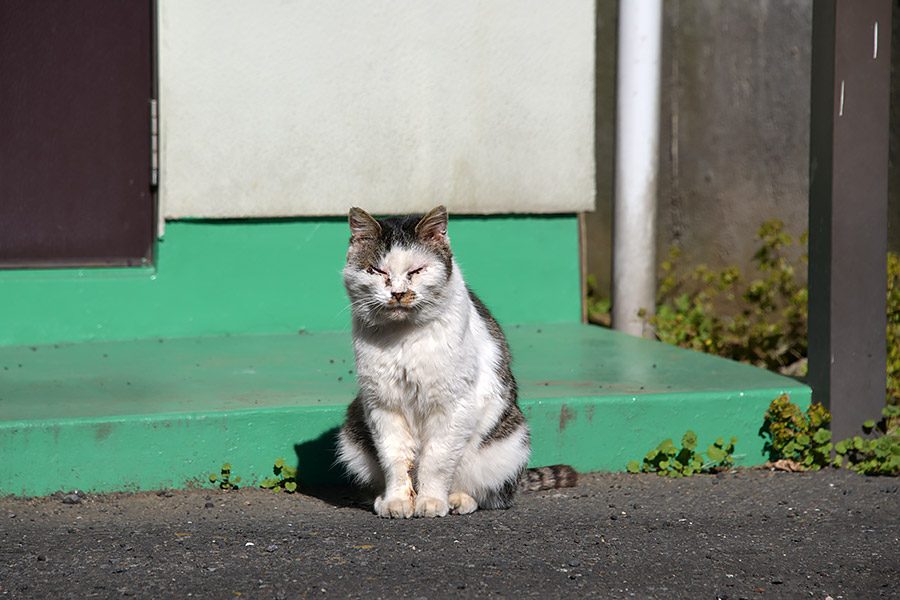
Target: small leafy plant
x,y
762,321
801,438
667,460
223,479
285,478
720,455
768,330
598,306
893,329
874,456
804,440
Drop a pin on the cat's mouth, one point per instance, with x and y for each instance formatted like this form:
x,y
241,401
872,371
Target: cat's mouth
x,y
399,308
396,311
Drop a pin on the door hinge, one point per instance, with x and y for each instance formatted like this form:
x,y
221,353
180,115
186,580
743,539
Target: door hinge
x,y
154,143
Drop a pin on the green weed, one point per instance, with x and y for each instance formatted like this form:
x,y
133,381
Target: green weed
x,y
762,322
893,330
667,460
802,438
768,329
285,478
879,455
223,479
598,306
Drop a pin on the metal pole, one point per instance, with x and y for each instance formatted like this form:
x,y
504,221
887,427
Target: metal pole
x,y
848,198
637,164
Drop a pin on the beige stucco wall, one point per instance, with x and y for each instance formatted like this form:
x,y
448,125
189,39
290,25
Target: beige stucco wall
x,y
307,108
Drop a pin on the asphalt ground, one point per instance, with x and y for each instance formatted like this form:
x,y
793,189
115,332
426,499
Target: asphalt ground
x,y
752,534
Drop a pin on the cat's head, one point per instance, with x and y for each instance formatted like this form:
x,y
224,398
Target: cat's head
x,y
397,268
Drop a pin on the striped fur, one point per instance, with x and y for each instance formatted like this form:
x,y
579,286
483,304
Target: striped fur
x,y
548,478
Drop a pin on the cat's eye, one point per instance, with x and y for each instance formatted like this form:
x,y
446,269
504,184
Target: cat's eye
x,y
372,270
414,272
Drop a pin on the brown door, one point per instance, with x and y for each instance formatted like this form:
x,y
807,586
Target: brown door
x,y
75,88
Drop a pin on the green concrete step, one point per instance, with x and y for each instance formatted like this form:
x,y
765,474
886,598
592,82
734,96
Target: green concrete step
x,y
149,414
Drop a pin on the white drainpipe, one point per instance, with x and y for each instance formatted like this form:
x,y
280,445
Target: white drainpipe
x,y
637,144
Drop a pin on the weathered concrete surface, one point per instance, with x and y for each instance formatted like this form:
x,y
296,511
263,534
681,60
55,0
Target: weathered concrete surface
x,y
756,534
734,139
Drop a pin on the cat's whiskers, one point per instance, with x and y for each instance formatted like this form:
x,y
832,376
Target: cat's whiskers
x,y
361,303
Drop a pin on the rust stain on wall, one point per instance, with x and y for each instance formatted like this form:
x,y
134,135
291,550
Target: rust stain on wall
x,y
102,431
565,415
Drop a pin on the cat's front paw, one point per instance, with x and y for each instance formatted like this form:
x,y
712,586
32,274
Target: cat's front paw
x,y
462,504
393,507
431,507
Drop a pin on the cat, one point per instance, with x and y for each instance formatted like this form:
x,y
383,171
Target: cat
x,y
436,427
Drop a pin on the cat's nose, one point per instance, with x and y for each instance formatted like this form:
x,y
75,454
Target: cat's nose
x,y
397,295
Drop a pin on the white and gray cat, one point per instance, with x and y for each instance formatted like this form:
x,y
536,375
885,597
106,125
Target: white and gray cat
x,y
436,427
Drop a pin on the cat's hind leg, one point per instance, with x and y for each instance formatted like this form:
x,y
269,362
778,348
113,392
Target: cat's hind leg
x,y
490,470
356,450
461,503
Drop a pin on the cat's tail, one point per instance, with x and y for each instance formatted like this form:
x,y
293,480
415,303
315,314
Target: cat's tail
x,y
548,478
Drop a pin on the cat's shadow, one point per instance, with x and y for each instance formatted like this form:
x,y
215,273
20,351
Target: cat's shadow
x,y
316,462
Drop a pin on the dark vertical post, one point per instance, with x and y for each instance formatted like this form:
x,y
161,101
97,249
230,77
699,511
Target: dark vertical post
x,y
848,179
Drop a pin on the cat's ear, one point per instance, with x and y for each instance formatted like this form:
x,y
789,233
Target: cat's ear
x,y
433,227
363,226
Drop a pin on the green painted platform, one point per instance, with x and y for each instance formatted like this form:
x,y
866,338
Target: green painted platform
x,y
149,414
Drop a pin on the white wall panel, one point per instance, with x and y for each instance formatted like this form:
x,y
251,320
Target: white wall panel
x,y
285,108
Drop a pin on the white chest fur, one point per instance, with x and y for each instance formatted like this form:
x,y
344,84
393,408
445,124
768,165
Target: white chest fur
x,y
444,365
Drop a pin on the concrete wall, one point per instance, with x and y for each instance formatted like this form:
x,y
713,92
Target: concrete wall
x,y
734,144
735,114
307,108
